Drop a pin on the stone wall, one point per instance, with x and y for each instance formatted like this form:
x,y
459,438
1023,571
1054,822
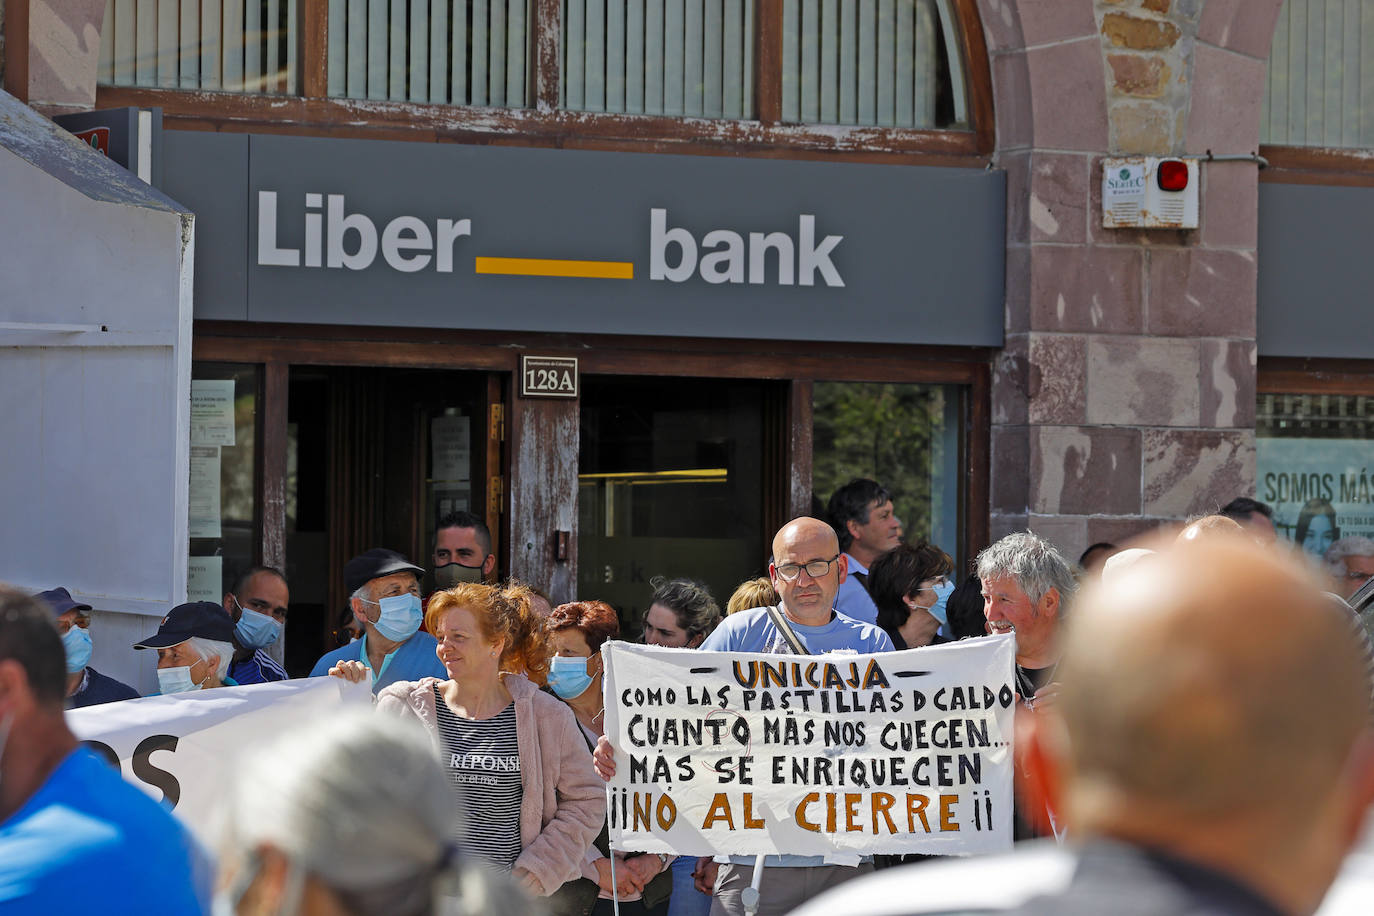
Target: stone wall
x,y
1126,392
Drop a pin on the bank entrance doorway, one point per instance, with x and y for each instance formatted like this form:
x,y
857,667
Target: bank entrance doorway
x,y
371,457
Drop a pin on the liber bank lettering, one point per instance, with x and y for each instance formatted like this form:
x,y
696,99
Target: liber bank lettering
x,y
335,238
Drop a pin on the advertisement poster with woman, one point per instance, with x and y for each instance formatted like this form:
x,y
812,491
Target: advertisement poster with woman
x,y
1320,489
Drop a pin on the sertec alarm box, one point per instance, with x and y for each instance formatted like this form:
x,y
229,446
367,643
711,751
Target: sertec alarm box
x,y
1149,192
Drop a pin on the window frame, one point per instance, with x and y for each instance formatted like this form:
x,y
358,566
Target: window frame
x,y
544,124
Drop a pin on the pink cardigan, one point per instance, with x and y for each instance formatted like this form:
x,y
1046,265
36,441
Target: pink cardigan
x,y
564,801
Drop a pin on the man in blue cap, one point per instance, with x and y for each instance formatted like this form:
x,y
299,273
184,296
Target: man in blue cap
x,y
85,685
74,836
384,595
194,644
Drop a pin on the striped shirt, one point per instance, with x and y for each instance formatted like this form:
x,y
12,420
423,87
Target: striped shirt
x,y
482,760
258,668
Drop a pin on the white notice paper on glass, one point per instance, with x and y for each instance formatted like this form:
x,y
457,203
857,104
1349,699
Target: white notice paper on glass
x,y
212,412
204,495
451,448
205,579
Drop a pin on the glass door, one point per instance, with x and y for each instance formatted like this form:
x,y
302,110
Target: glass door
x,y
671,479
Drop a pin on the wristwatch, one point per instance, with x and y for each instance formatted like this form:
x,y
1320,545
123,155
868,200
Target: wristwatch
x,y
663,859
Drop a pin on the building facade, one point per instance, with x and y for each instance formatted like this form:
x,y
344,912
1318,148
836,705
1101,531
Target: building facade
x,y
782,242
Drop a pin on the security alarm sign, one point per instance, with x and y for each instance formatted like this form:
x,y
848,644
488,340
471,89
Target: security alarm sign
x,y
548,377
1123,193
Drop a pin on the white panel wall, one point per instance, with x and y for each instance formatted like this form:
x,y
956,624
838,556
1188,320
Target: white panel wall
x,y
93,466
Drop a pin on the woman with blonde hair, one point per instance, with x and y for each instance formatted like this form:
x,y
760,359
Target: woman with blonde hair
x,y
529,800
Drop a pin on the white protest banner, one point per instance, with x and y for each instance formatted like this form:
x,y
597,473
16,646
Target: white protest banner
x,y
185,748
748,753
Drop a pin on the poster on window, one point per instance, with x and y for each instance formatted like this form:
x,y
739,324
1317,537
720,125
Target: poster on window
x,y
1320,489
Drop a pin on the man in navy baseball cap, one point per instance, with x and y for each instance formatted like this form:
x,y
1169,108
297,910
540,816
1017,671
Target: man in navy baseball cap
x,y
194,645
384,596
85,685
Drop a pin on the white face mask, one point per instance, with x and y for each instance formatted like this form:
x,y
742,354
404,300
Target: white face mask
x,y
176,680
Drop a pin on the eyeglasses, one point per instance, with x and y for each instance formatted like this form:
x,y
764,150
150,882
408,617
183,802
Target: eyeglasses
x,y
789,572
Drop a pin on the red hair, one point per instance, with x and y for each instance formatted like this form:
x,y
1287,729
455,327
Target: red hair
x,y
595,620
502,614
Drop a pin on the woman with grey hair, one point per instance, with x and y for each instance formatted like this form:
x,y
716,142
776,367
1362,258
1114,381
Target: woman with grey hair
x,y
350,816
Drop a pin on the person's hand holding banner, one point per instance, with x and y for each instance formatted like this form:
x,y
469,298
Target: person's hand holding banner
x,y
713,753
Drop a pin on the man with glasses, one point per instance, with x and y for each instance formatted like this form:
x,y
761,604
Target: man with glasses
x,y
807,570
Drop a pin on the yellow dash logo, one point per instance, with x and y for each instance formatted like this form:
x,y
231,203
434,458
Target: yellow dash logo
x,y
544,267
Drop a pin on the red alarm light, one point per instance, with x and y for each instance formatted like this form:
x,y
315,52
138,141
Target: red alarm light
x,y
1172,175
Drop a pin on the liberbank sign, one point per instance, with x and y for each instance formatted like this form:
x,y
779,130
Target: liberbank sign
x,y
497,238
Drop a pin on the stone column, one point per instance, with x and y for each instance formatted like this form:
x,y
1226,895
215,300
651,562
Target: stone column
x,y
1126,391
51,52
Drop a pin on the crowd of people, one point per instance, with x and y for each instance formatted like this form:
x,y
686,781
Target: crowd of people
x,y
478,781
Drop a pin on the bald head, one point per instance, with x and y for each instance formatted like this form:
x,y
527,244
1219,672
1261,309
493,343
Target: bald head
x,y
807,599
806,531
1213,678
1210,526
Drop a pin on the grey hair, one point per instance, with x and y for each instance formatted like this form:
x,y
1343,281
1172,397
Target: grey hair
x,y
360,803
209,647
1033,562
1352,545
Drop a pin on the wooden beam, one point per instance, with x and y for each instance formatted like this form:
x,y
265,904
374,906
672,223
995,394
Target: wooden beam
x,y
543,436
17,49
546,76
800,446
768,61
974,49
313,47
977,445
529,127
274,436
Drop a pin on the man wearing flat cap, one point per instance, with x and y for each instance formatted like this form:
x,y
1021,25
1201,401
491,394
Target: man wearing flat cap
x,y
85,685
384,595
194,645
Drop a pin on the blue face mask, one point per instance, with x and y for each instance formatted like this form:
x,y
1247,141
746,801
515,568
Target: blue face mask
x,y
400,617
568,676
939,610
255,630
77,642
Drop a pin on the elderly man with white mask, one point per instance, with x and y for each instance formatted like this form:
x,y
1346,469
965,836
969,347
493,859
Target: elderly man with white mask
x,y
194,645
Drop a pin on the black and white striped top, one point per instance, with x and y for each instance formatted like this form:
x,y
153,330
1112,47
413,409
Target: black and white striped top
x,y
482,759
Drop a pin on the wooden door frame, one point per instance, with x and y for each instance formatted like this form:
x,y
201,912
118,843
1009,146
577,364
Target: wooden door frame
x,y
800,363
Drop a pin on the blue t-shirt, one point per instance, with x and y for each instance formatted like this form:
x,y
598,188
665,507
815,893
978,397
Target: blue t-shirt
x,y
413,659
852,600
88,842
753,631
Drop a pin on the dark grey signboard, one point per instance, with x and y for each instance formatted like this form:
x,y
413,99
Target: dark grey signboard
x,y
442,235
1315,272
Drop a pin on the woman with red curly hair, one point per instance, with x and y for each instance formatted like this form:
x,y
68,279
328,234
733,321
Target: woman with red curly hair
x,y
530,801
577,632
